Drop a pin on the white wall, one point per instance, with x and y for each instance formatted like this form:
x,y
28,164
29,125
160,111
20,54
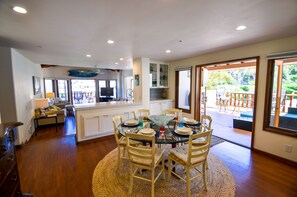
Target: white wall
x,y
263,140
7,104
23,71
141,93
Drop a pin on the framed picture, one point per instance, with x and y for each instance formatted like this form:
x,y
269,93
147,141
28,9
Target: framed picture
x,y
136,80
36,85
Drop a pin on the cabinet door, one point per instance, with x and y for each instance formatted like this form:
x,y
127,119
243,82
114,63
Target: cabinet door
x,y
91,125
166,105
163,75
153,75
106,124
155,108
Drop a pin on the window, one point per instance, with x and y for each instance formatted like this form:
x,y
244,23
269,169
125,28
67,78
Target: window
x,y
63,89
281,94
183,90
83,91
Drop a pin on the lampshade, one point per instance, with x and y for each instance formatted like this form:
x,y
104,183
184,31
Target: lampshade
x,y
50,95
41,103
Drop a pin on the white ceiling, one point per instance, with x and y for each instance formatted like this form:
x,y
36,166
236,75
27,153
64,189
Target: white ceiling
x,y
62,32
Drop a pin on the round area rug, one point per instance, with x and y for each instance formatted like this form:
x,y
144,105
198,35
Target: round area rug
x,y
110,181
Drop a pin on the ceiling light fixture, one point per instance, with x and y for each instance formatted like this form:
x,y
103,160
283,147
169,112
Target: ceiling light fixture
x,y
110,41
241,27
19,10
88,55
121,59
116,63
168,51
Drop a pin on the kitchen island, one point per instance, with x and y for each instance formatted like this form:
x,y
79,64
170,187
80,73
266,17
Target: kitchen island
x,y
95,120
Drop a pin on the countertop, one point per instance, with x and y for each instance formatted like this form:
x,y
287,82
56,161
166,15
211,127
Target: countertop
x,y
160,100
103,105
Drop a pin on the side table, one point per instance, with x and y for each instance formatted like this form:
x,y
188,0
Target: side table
x,y
37,118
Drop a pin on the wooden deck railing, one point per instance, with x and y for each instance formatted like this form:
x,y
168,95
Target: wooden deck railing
x,y
237,99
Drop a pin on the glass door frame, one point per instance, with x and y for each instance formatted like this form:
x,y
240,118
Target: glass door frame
x,y
198,89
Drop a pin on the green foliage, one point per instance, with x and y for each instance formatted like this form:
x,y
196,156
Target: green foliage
x,y
219,78
290,88
245,88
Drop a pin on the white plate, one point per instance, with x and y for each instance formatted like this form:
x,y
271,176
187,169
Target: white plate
x,y
190,121
131,122
147,131
184,130
183,133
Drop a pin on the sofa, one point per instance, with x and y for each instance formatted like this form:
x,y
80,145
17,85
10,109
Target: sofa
x,y
53,110
289,120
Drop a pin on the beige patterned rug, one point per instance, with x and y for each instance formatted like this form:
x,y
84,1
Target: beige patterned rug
x,y
110,181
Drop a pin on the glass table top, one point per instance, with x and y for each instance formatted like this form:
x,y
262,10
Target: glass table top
x,y
170,136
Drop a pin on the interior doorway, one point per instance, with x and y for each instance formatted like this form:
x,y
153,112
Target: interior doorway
x,y
227,92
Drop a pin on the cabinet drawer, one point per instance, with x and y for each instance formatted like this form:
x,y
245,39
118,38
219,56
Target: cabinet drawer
x,y
6,163
10,183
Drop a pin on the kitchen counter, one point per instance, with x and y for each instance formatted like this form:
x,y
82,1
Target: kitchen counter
x,y
103,105
158,100
95,120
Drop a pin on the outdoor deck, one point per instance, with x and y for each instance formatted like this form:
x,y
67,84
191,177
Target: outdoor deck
x,y
223,127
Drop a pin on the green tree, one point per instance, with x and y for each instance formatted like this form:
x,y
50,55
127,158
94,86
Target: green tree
x,y
218,78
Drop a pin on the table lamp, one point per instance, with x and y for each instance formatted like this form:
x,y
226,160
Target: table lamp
x,y
50,96
40,104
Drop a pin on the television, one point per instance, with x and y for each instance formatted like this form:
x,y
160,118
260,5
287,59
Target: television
x,y
106,92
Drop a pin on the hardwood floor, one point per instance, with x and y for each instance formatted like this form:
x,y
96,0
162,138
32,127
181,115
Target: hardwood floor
x,y
53,165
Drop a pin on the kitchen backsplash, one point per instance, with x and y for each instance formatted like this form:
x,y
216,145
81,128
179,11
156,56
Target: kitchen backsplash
x,y
158,93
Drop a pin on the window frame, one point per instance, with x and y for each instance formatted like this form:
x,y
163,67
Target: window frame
x,y
268,102
177,89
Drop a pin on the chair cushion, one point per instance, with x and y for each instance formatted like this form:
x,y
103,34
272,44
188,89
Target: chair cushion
x,y
148,162
180,155
122,142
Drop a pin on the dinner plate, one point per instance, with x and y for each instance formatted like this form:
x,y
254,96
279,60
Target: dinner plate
x,y
131,122
190,121
147,131
183,133
184,130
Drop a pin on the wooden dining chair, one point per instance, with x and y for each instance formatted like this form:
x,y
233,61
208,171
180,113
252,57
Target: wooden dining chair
x,y
206,122
190,156
144,157
141,113
173,112
121,141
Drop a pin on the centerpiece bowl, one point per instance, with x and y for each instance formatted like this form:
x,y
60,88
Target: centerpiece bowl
x,y
160,120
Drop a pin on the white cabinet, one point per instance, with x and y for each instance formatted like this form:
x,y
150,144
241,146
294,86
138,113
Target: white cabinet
x,y
91,125
158,107
106,123
158,75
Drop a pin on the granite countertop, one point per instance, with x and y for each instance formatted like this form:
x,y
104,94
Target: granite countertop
x,y
103,105
4,127
158,100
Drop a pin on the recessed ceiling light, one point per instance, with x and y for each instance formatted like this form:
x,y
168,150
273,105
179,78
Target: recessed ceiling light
x,y
121,59
127,67
110,41
168,51
241,27
117,63
88,55
19,9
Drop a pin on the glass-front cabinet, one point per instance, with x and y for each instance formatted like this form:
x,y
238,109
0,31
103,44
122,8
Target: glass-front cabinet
x,y
153,75
163,75
158,75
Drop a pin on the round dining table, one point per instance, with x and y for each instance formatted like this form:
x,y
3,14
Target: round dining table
x,y
170,136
